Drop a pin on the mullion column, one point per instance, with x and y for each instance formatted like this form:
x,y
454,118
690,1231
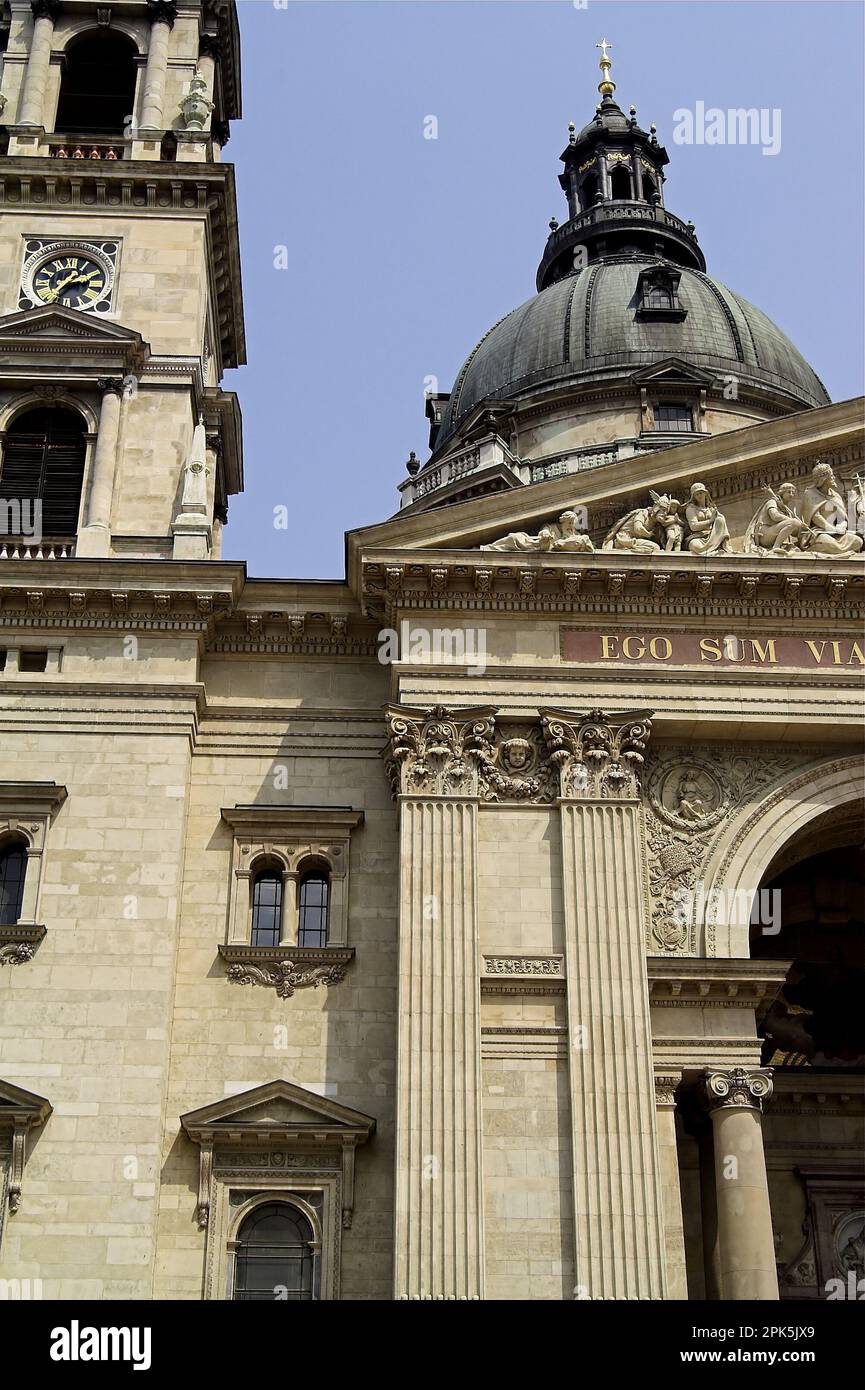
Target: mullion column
x,y
616,1173
439,1200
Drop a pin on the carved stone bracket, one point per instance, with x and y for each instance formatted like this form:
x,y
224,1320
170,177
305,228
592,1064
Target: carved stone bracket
x,y
18,944
736,1089
437,752
287,968
20,1111
598,756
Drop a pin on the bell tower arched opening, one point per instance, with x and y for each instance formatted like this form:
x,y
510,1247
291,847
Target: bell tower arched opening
x,y
97,90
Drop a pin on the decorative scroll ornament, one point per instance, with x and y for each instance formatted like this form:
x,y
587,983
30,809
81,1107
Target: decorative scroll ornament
x,y
285,976
437,752
737,1088
598,756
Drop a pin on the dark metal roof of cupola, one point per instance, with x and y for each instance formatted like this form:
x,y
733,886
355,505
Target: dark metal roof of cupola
x,y
586,325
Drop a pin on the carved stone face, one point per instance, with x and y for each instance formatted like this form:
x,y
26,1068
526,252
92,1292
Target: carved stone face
x,y
516,755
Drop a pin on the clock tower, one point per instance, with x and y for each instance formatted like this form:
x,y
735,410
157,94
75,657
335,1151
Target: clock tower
x,y
120,296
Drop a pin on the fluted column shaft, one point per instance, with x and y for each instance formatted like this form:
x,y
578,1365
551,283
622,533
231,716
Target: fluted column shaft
x,y
439,1213
618,1215
439,1228
746,1247
32,110
617,1201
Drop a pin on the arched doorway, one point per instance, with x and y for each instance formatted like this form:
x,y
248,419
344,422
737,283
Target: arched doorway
x,y
97,90
810,912
276,1258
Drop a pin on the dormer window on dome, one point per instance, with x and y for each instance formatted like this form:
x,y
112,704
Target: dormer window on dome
x,y
658,294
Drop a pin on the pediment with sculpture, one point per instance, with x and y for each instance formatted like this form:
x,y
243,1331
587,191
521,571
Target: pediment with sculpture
x,y
820,522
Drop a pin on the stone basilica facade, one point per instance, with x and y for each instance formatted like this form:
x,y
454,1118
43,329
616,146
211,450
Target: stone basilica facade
x,y
527,965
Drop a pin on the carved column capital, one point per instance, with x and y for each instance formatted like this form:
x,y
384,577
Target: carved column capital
x,y
110,385
209,46
46,9
737,1089
162,10
598,756
436,752
665,1089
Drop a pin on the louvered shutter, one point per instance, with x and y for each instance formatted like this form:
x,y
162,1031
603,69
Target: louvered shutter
x,y
43,459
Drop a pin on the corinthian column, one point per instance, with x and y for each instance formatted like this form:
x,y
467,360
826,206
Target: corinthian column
x,y
616,1173
38,62
162,16
95,536
432,764
746,1248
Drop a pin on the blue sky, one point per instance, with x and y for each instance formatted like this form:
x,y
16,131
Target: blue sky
x,y
402,251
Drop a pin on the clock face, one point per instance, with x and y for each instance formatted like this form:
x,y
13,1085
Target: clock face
x,y
72,279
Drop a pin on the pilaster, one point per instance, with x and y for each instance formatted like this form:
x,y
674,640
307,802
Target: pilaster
x,y
617,1176
439,1241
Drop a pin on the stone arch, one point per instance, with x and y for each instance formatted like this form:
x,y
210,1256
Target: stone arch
x,y
31,400
742,857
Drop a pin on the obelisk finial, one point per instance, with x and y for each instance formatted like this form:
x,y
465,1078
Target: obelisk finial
x,y
606,86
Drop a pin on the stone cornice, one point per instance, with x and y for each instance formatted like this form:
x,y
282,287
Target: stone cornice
x,y
31,798
321,822
719,983
611,583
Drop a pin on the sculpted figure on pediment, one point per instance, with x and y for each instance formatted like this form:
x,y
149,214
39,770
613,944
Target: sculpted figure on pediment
x,y
777,525
555,536
819,528
708,533
824,512
649,529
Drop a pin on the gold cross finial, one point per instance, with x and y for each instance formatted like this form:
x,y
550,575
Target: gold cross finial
x,y
606,86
